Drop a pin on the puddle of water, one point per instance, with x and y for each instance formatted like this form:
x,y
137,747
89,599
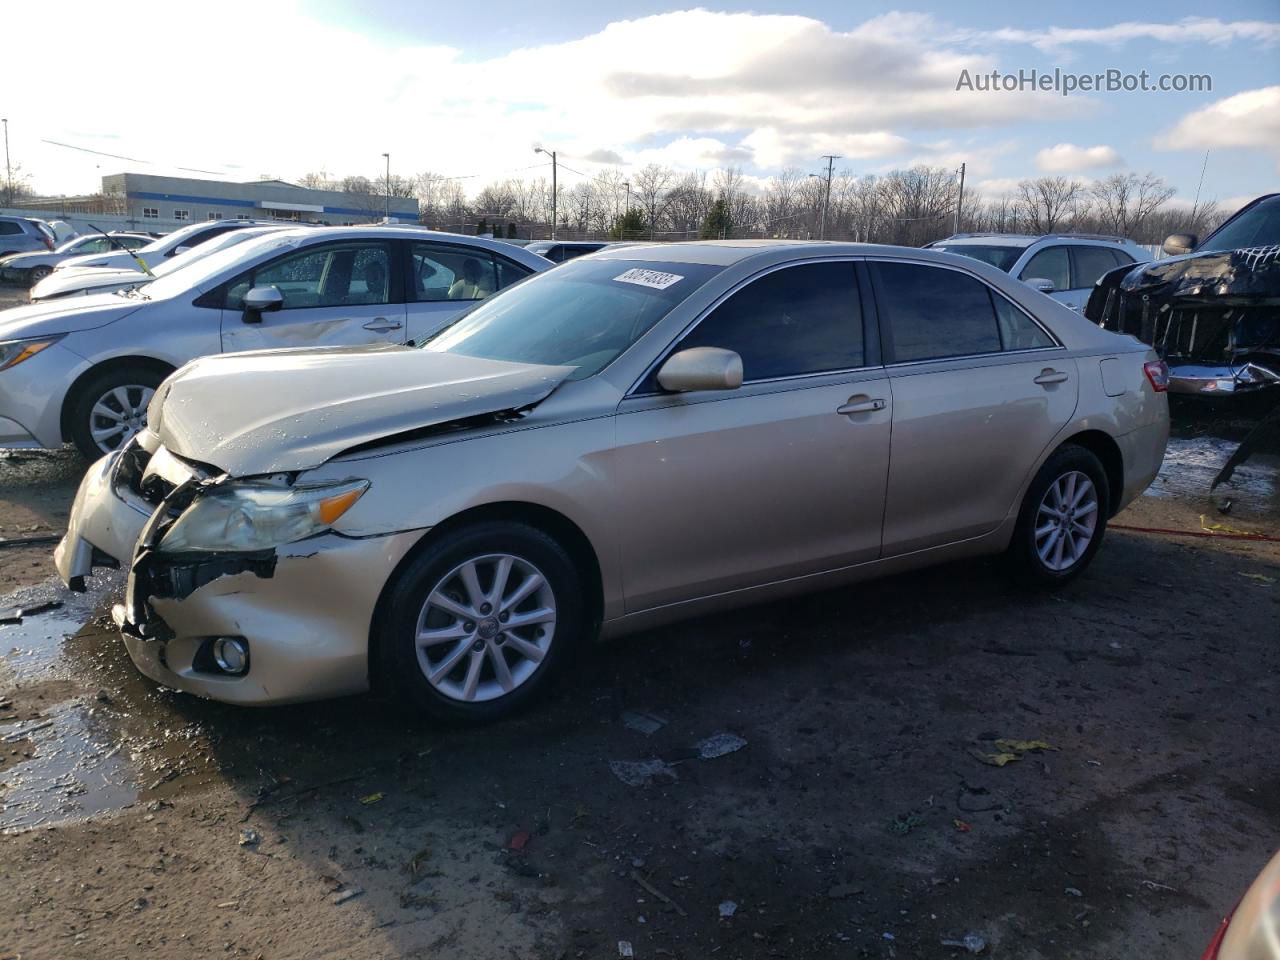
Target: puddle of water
x,y
1191,463
100,736
77,769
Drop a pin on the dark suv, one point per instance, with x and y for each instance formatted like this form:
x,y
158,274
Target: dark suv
x,y
25,235
1211,309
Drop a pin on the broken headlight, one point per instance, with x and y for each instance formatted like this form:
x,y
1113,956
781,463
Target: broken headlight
x,y
255,516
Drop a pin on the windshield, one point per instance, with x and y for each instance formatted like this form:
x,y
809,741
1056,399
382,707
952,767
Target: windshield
x,y
176,281
188,257
583,314
1257,227
1002,258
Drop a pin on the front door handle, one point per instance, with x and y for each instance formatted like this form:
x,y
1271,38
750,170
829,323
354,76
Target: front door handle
x,y
860,406
1048,375
382,325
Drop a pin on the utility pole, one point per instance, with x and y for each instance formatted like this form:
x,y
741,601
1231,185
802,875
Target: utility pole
x,y
1194,206
959,200
831,159
8,171
387,213
554,191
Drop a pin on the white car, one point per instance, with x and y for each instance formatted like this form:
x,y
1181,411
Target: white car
x,y
85,369
1063,265
89,280
170,245
31,268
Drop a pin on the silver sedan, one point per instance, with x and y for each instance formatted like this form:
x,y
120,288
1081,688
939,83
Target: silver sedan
x,y
638,436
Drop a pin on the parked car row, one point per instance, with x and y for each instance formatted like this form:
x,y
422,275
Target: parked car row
x,y
28,269
459,464
85,369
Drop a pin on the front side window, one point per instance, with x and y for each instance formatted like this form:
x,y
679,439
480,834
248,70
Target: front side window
x,y
934,312
133,243
441,272
1090,264
328,276
1050,264
583,314
794,321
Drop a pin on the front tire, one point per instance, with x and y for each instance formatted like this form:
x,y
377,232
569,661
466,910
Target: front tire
x,y
110,407
1062,519
480,622
36,274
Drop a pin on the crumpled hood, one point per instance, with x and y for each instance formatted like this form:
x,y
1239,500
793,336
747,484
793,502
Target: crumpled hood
x,y
1251,274
25,261
64,316
87,278
119,259
271,411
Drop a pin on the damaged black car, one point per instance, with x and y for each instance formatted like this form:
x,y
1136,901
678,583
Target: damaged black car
x,y
1211,309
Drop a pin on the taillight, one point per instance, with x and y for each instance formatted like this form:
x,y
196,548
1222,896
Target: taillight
x,y
1157,372
47,242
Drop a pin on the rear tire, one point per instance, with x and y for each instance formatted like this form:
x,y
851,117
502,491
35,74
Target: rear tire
x,y
109,408
448,645
36,274
1062,520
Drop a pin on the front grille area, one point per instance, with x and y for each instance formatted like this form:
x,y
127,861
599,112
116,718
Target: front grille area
x,y
1197,333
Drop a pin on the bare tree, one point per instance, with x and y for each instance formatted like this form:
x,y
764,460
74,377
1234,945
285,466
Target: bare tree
x,y
1047,203
1125,201
651,184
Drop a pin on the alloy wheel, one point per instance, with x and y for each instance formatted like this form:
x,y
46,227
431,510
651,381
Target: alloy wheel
x,y
485,627
1066,521
118,414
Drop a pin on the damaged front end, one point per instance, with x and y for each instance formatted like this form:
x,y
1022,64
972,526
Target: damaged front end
x,y
1213,317
206,525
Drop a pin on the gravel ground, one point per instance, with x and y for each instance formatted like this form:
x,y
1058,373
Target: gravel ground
x,y
850,812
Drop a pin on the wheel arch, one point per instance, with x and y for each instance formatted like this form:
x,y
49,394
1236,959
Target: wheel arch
x,y
73,392
546,519
1103,446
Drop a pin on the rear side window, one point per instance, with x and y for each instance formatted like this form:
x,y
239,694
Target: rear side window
x,y
440,272
1090,264
933,312
794,321
1050,264
1017,330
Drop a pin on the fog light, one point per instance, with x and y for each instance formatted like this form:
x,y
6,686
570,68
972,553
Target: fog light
x,y
231,654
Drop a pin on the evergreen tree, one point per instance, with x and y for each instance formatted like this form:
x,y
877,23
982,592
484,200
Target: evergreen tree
x,y
716,225
629,226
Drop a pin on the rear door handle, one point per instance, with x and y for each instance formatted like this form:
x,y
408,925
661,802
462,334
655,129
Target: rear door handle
x,y
382,325
861,406
1049,375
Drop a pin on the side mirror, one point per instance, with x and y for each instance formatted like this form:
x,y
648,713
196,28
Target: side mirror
x,y
1176,244
701,368
261,300
177,250
1041,284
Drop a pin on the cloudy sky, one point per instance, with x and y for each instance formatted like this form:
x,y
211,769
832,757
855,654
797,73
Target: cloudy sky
x,y
241,89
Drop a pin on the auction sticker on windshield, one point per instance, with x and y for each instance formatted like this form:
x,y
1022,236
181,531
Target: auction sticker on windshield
x,y
649,278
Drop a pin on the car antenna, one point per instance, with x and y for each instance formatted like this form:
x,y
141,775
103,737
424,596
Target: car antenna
x,y
116,243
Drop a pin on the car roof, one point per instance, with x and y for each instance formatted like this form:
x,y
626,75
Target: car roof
x,y
1028,239
723,253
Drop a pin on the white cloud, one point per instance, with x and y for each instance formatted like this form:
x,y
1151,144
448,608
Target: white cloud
x,y
1188,30
1069,158
1248,119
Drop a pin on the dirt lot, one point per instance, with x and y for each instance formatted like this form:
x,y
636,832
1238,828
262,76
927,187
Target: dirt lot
x,y
849,814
